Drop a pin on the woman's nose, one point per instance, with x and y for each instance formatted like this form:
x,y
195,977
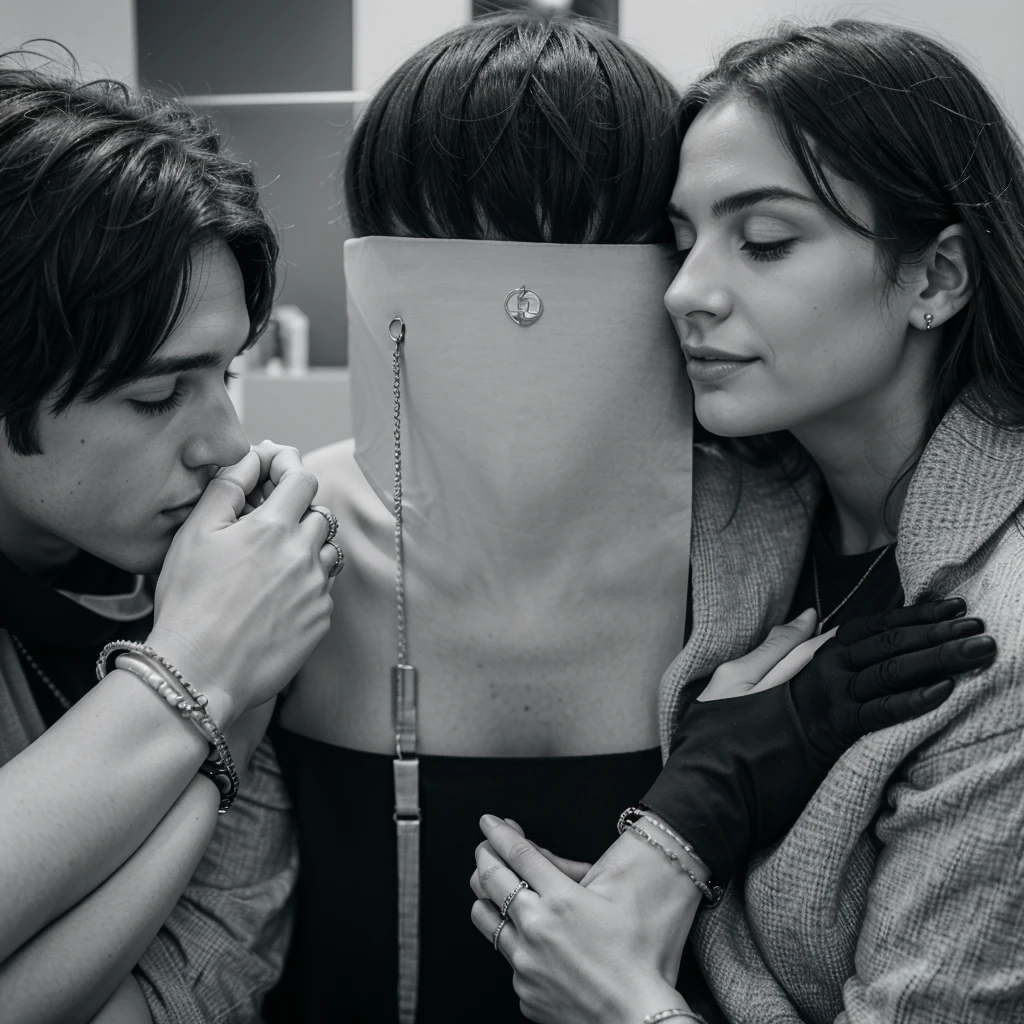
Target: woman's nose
x,y
699,291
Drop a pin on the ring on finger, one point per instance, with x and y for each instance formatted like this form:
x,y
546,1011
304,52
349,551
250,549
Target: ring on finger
x,y
497,932
332,520
339,562
511,896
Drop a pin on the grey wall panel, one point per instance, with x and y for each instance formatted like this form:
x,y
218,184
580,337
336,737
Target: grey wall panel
x,y
298,150
231,46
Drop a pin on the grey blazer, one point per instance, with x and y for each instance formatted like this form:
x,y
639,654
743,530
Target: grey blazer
x,y
898,896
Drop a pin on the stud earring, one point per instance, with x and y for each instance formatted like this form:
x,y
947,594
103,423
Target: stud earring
x,y
928,318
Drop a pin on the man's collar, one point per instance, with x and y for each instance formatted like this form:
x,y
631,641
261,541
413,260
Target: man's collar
x,y
82,607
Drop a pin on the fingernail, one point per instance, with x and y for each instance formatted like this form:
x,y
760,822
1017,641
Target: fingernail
x,y
953,607
805,615
978,647
489,821
966,627
937,692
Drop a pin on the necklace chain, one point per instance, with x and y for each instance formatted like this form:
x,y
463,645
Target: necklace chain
x,y
817,593
50,685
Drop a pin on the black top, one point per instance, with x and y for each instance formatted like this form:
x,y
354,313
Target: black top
x,y
63,637
343,961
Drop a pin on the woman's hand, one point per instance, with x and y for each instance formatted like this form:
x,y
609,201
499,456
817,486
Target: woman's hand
x,y
742,769
241,603
582,954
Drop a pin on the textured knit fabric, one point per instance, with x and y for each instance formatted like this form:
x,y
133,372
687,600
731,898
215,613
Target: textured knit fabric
x,y
898,896
223,946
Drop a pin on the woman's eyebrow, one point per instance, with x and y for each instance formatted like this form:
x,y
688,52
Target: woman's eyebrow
x,y
741,200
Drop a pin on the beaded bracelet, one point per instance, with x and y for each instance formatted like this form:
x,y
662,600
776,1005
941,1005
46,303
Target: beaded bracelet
x,y
654,1018
162,677
712,893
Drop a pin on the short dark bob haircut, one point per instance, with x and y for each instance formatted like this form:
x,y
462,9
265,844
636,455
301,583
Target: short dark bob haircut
x,y
105,200
902,117
520,127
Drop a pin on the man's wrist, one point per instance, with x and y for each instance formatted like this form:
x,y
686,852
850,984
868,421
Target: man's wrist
x,y
179,652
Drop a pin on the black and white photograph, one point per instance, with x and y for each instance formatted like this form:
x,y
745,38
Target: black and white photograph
x,y
511,510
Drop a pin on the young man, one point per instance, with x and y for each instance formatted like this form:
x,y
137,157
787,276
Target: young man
x,y
136,263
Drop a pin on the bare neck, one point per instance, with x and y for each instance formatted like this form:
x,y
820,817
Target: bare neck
x,y
864,451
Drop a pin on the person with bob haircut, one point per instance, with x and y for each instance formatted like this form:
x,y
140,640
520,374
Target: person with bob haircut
x,y
849,216
136,263
516,503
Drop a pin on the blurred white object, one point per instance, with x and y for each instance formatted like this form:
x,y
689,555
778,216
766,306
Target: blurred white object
x,y
293,338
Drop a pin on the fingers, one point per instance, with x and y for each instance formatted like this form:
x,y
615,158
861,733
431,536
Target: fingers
x,y
735,677
901,707
224,498
922,668
276,459
493,880
293,493
906,639
921,614
485,918
575,869
793,662
525,860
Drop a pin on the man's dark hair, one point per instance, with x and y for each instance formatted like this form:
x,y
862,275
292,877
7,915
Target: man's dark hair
x,y
518,127
106,198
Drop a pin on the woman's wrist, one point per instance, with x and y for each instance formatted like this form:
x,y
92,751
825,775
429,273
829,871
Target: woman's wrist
x,y
648,995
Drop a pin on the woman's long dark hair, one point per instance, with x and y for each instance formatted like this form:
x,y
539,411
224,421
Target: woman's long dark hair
x,y
520,127
902,117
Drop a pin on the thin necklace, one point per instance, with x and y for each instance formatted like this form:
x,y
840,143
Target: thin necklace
x,y
817,593
61,699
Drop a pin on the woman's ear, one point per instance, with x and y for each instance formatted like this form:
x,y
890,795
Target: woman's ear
x,y
948,282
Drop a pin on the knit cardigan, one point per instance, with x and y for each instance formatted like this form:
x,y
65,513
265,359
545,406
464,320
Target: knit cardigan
x,y
898,896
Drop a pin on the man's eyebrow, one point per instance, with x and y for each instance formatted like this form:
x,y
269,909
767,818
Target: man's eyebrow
x,y
164,366
741,200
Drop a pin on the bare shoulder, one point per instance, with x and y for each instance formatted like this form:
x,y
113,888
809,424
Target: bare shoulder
x,y
335,468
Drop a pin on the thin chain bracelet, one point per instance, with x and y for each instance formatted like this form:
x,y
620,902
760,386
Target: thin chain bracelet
x,y
654,1018
712,893
146,664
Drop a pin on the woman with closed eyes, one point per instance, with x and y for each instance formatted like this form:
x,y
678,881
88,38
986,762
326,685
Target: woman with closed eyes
x,y
848,215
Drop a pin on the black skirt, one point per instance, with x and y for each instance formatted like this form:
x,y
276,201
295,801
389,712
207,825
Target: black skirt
x,y
343,961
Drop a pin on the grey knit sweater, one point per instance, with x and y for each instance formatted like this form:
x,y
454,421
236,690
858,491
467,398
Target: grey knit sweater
x,y
898,896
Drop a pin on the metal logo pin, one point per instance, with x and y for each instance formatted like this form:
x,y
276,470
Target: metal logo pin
x,y
524,306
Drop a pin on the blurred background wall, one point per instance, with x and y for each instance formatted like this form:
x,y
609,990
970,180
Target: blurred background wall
x,y
100,33
285,80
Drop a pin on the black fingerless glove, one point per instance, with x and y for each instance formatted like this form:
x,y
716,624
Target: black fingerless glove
x,y
742,769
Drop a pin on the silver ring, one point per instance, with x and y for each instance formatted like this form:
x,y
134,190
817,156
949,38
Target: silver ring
x,y
512,895
497,932
339,562
332,520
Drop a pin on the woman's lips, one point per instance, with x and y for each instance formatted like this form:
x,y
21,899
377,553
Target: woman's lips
x,y
707,371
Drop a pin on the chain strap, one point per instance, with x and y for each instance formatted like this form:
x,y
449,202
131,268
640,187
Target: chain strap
x,y
396,390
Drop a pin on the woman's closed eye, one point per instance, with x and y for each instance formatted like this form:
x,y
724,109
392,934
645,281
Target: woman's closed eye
x,y
763,252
